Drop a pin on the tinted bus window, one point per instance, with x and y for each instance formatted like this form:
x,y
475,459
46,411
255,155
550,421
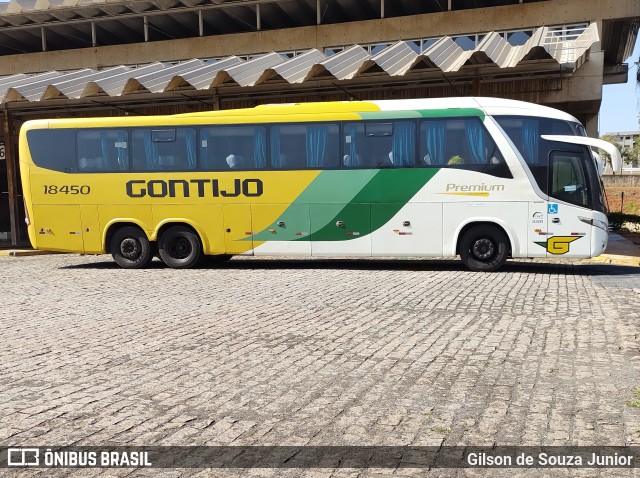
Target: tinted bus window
x,y
102,151
53,149
568,180
305,146
525,132
164,149
233,147
380,145
462,143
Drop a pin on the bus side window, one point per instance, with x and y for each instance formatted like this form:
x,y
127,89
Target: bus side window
x,y
305,146
460,143
568,179
102,150
403,144
164,149
379,145
378,139
62,157
224,148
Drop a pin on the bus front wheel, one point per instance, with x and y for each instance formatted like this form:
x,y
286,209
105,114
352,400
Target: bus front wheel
x,y
130,248
484,248
180,247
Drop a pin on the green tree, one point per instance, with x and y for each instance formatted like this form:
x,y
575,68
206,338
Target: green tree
x,y
609,138
632,155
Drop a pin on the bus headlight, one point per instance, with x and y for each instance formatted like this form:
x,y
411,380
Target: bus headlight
x,y
596,223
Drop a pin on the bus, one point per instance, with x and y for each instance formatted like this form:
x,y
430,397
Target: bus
x,y
484,178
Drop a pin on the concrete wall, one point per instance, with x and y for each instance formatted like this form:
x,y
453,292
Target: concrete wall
x,y
390,29
622,181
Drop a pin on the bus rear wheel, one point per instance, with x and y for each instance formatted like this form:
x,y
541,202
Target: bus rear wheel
x,y
484,248
130,248
179,247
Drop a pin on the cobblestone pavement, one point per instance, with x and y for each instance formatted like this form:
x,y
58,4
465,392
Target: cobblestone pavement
x,y
318,352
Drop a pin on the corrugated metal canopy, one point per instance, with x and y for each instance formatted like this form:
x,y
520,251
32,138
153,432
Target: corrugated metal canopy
x,y
444,56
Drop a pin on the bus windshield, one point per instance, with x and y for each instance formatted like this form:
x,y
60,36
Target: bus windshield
x,y
562,171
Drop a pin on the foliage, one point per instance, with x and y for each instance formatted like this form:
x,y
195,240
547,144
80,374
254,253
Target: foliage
x,y
603,154
617,219
636,398
628,154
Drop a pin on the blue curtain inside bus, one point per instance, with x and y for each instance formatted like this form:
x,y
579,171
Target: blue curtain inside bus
x,y
351,160
150,151
316,145
530,139
435,139
190,138
122,151
475,138
259,148
276,157
404,144
104,147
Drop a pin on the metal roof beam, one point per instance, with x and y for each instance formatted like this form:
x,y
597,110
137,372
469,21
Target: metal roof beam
x,y
108,9
170,27
215,22
20,39
299,13
363,11
243,16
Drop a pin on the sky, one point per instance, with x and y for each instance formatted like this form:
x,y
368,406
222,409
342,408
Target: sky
x,y
620,109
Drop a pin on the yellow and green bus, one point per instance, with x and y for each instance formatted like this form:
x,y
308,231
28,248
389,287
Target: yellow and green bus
x,y
483,178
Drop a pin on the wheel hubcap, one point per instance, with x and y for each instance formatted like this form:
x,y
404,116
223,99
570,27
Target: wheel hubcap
x,y
130,248
483,249
180,248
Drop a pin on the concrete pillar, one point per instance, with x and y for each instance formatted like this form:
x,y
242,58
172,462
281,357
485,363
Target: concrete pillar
x,y
12,179
591,125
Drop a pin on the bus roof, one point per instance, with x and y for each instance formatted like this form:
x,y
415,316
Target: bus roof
x,y
490,106
325,111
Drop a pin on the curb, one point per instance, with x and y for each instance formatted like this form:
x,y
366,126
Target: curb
x,y
25,252
616,260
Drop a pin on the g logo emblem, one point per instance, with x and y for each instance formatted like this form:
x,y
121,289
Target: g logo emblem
x,y
560,244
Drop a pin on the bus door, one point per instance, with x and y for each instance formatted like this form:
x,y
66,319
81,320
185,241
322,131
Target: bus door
x,y
59,227
91,232
237,229
567,235
537,232
341,229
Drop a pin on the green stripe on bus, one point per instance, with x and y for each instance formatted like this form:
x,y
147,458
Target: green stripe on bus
x,y
391,187
441,113
452,113
330,187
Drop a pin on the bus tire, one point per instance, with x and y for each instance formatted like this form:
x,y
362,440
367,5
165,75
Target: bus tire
x,y
180,247
484,248
130,248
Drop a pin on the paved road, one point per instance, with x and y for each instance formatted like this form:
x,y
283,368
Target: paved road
x,y
318,352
